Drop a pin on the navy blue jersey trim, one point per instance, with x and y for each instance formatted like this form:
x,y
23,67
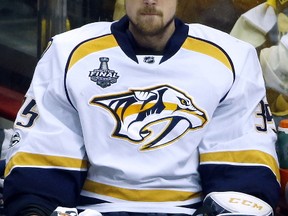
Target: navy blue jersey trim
x,y
60,187
119,30
223,177
129,46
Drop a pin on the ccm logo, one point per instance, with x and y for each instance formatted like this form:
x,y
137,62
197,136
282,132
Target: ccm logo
x,y
245,203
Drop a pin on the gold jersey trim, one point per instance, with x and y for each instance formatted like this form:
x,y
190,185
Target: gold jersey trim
x,y
243,157
37,160
91,46
147,195
207,48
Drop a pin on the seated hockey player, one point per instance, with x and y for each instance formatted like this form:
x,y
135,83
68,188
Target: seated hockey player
x,y
144,116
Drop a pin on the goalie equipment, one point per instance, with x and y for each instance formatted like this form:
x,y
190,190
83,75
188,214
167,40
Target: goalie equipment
x,y
63,211
236,203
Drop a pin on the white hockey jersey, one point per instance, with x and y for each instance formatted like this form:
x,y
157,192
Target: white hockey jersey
x,y
140,132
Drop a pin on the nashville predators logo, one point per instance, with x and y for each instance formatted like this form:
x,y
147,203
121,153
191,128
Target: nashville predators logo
x,y
153,117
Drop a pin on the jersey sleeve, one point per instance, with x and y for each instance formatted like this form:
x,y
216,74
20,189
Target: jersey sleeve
x,y
46,162
238,151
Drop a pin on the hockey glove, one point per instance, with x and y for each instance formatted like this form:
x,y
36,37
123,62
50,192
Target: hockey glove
x,y
235,204
62,211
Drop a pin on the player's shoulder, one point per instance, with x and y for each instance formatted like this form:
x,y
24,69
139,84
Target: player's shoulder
x,y
66,42
88,30
236,49
217,37
82,34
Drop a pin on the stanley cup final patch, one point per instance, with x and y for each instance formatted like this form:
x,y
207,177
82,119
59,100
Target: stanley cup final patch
x,y
103,76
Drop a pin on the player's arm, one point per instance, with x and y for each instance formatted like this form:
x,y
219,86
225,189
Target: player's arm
x,y
43,169
238,152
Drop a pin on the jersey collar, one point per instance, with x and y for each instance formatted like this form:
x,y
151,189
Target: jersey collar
x,y
127,43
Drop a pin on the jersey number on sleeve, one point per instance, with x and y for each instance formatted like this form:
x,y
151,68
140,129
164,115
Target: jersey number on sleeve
x,y
28,113
266,116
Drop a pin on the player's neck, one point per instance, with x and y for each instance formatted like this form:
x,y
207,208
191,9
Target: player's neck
x,y
154,42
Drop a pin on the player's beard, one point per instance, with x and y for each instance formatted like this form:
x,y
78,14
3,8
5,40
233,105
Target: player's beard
x,y
150,25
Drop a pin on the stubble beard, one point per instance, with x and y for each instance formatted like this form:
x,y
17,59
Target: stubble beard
x,y
150,26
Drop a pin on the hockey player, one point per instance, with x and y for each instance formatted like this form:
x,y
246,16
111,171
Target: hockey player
x,y
146,115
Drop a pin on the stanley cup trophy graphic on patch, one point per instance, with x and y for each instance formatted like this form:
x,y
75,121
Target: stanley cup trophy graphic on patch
x,y
103,76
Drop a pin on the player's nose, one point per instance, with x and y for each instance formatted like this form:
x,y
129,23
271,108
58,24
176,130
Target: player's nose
x,y
150,2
